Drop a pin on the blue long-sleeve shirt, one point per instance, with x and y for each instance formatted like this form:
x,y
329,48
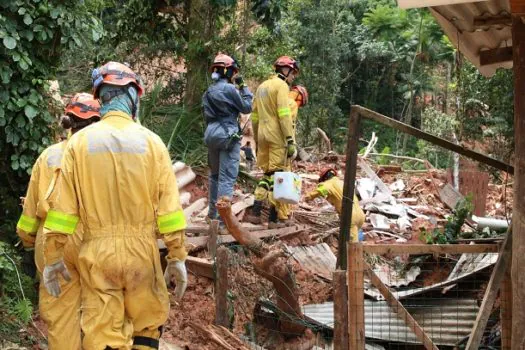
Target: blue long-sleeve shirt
x,y
222,102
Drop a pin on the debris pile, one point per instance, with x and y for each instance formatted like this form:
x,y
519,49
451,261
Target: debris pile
x,y
278,279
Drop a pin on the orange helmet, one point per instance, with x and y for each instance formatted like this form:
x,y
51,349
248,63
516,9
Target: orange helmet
x,y
303,93
224,61
114,73
83,106
286,61
323,175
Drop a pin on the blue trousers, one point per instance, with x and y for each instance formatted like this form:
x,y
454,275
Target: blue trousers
x,y
223,159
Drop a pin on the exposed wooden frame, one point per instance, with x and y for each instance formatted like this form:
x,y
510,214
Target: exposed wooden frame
x,y
340,295
221,288
407,129
483,22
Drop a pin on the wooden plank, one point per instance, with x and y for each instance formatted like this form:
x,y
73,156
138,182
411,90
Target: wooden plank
x,y
400,310
407,129
203,229
352,147
518,211
340,296
498,274
200,267
499,55
506,311
356,300
418,249
212,238
221,288
201,242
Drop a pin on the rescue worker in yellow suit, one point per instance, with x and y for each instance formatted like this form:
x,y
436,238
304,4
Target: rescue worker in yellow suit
x,y
298,99
117,179
331,188
274,134
61,315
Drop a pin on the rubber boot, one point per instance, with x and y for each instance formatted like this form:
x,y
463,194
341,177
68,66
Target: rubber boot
x,y
273,220
255,217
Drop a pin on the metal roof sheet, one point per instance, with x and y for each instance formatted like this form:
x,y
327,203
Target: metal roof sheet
x,y
318,259
457,21
446,321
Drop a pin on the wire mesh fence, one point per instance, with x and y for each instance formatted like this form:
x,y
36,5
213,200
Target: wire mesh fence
x,y
425,300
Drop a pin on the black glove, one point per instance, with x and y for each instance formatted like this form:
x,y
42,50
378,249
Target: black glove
x,y
28,262
239,81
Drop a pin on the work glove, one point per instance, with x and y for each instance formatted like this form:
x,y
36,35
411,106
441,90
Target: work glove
x,y
239,81
50,276
292,149
177,269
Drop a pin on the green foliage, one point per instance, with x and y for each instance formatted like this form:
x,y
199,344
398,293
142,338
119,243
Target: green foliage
x,y
33,34
383,160
17,294
453,226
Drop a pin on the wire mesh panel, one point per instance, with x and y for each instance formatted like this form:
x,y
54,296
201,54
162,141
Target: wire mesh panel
x,y
423,300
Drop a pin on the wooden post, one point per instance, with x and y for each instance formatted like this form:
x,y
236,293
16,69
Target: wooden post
x,y
213,233
221,288
356,299
506,311
349,185
340,310
498,274
518,212
400,310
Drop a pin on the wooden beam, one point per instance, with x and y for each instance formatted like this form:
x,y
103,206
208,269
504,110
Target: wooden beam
x,y
506,311
212,238
377,117
517,7
203,229
400,310
221,288
201,242
352,148
518,211
498,274
356,299
418,249
483,22
340,296
200,267
499,55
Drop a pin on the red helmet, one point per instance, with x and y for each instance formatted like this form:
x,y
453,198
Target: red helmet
x,y
323,175
303,93
224,61
83,106
114,73
286,61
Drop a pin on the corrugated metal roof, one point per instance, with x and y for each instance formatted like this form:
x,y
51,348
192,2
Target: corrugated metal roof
x,y
318,259
446,321
457,21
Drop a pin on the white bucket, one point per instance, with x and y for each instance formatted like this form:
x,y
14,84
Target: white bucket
x,y
287,187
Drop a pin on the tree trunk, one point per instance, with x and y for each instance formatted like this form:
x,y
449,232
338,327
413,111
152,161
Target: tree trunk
x,y
201,30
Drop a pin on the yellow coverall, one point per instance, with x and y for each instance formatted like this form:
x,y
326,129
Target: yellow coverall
x,y
332,191
62,315
272,125
117,179
283,209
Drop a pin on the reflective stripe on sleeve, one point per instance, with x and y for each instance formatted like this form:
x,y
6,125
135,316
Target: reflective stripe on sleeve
x,y
322,190
284,112
173,222
255,117
61,222
28,224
